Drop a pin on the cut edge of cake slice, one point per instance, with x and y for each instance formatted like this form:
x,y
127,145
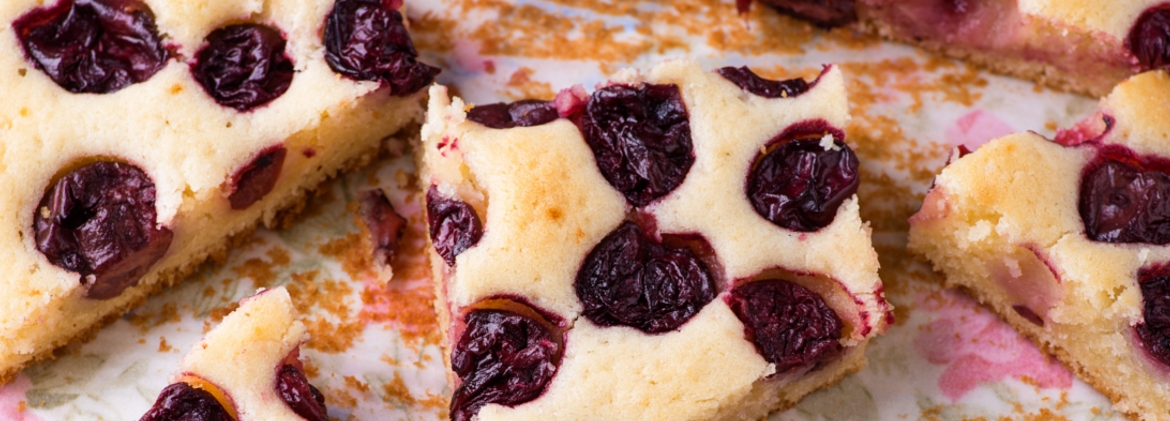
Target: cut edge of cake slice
x,y
1007,224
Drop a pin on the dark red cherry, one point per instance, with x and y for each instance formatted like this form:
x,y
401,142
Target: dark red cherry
x,y
304,399
453,224
1154,330
790,326
181,402
502,357
641,138
366,40
799,184
749,81
630,280
525,113
385,226
1149,39
823,13
100,221
1121,202
252,182
93,46
243,66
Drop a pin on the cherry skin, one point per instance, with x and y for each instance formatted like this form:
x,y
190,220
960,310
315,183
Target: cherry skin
x,y
99,220
385,226
790,326
525,113
243,66
453,224
823,13
1154,330
93,46
366,40
630,280
748,80
304,399
502,357
1149,39
256,179
799,184
641,138
1123,203
181,402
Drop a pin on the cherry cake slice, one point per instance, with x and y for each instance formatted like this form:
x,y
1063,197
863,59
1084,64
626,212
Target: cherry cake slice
x,y
678,244
1067,240
138,136
247,368
1084,46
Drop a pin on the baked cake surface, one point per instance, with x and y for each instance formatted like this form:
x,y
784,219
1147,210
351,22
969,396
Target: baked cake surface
x,y
247,367
1066,240
526,228
1086,46
172,138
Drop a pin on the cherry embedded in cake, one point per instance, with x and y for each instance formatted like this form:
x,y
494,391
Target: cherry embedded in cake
x,y
692,236
1083,46
140,136
247,368
244,66
1067,240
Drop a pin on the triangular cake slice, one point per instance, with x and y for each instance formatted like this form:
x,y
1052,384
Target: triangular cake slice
x,y
247,368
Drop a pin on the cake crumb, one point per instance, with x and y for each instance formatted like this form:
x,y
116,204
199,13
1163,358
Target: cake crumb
x,y
354,383
163,346
828,144
396,391
261,271
521,86
356,260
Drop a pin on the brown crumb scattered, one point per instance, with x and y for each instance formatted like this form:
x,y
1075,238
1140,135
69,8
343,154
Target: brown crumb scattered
x,y
1051,125
332,337
356,257
339,397
21,406
1045,414
665,26
217,314
311,370
331,325
521,86
395,391
262,271
163,346
145,320
354,383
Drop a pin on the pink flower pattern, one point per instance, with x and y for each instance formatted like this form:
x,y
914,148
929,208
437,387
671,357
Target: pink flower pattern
x,y
979,348
12,396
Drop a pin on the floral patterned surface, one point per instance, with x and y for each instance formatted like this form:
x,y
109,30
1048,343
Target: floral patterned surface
x,y
374,350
